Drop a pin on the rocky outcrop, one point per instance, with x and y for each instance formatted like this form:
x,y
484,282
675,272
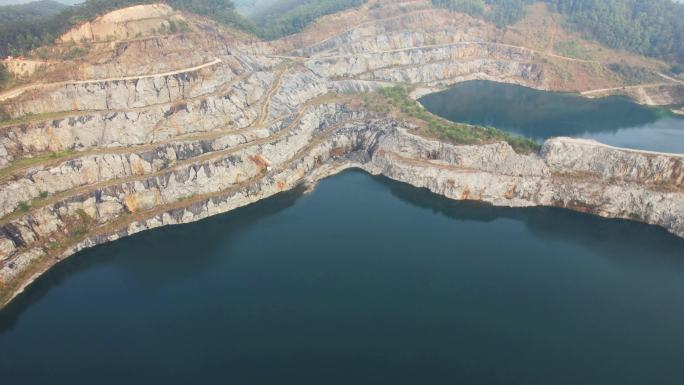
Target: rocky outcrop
x,y
234,107
356,64
124,93
444,64
126,23
577,174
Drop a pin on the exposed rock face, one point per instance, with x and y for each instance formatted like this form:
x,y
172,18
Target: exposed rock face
x,y
125,23
105,158
127,93
180,184
576,174
433,63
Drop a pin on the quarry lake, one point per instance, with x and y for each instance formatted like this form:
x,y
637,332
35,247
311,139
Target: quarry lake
x,y
363,281
616,121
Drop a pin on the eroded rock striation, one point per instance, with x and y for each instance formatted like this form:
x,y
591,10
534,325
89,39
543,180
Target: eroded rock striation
x,y
90,161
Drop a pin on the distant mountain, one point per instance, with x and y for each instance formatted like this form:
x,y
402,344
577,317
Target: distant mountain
x,y
29,11
18,2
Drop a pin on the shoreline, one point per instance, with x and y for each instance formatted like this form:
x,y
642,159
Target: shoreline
x,y
441,176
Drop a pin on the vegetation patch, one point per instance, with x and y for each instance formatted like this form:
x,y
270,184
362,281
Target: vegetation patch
x,y
4,79
23,207
500,12
84,217
75,52
634,75
289,17
6,120
677,69
27,162
572,49
396,101
4,116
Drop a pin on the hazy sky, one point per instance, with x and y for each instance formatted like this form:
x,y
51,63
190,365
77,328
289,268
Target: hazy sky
x,y
10,2
70,2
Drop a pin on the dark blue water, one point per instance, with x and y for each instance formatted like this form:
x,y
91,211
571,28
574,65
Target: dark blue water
x,y
365,281
540,115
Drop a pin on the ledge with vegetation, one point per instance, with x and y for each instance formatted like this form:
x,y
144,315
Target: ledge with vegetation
x,y
397,102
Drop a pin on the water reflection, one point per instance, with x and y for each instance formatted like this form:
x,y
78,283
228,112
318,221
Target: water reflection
x,y
616,238
162,256
352,285
539,114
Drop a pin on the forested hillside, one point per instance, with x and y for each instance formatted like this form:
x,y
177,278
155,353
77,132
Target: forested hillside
x,y
291,16
652,28
18,37
29,11
501,12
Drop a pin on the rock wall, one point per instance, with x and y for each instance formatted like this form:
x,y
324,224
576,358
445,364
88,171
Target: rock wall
x,y
444,64
124,93
180,184
575,174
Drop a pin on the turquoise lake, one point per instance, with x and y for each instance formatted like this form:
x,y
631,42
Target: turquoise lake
x,y
616,121
363,281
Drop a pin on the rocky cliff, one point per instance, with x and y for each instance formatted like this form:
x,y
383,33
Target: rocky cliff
x,y
88,161
132,22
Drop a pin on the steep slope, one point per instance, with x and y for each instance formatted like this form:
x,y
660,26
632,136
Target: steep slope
x,y
160,130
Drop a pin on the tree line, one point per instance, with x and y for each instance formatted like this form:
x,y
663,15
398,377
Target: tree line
x,y
291,17
29,11
19,37
652,28
500,12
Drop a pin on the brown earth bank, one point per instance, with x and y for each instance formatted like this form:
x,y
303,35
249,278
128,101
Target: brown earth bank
x,y
147,131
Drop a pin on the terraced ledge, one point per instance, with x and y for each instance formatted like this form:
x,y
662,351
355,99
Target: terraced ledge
x,y
626,186
11,94
261,164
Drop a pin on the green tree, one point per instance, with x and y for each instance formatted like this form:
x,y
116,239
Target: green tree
x,y
4,76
